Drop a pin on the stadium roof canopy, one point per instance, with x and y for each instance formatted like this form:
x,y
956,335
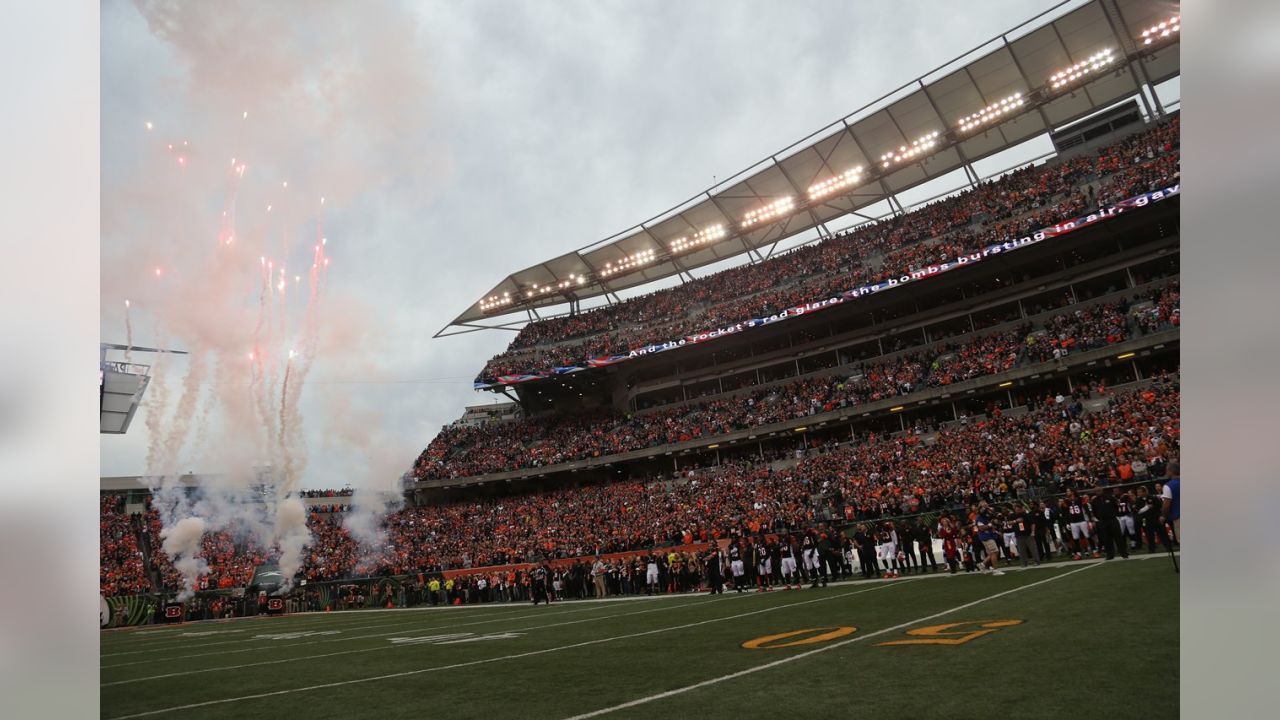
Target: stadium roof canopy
x,y
1048,72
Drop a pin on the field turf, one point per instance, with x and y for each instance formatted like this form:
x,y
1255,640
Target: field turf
x,y
1095,639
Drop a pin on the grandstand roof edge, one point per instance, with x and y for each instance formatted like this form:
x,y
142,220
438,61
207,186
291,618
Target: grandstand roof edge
x,y
564,279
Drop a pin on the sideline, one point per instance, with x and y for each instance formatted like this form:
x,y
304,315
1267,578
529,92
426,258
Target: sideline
x,y
513,614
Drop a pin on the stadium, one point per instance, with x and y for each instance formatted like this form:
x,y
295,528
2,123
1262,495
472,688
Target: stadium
x,y
894,405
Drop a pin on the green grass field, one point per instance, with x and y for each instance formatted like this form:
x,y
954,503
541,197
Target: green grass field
x,y
1094,639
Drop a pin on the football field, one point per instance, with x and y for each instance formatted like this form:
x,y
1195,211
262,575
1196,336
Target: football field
x,y
1078,639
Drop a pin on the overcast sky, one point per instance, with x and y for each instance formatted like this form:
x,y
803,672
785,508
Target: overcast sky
x,y
454,143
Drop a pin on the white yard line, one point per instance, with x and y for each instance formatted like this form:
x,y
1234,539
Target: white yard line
x,y
393,647
162,636
531,653
400,627
825,648
144,633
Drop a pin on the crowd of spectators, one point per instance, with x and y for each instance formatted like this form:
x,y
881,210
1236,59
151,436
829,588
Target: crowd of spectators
x,y
344,492
1012,205
1054,445
230,556
121,565
468,450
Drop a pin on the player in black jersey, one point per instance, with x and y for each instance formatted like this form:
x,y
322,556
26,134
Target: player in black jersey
x,y
787,562
735,565
1079,517
764,565
1149,509
540,584
652,575
887,549
1128,524
824,556
809,555
1008,537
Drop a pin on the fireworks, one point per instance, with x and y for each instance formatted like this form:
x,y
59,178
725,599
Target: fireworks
x,y
128,333
279,357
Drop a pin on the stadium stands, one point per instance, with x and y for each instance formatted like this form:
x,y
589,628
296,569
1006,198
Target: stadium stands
x,y
460,451
1054,444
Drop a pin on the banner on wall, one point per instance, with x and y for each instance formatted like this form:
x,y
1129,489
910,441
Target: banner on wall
x,y
928,271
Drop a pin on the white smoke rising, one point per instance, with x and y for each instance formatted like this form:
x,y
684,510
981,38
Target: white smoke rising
x,y
291,535
365,521
182,543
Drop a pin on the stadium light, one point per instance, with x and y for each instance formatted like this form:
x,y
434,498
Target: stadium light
x,y
635,260
573,280
495,301
777,208
1093,63
1162,30
991,112
702,237
849,177
917,148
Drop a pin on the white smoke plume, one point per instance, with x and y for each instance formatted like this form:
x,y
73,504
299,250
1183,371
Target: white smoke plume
x,y
365,521
182,543
291,535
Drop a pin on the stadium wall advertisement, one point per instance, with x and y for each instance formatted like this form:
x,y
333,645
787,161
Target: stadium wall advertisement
x,y
1048,233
